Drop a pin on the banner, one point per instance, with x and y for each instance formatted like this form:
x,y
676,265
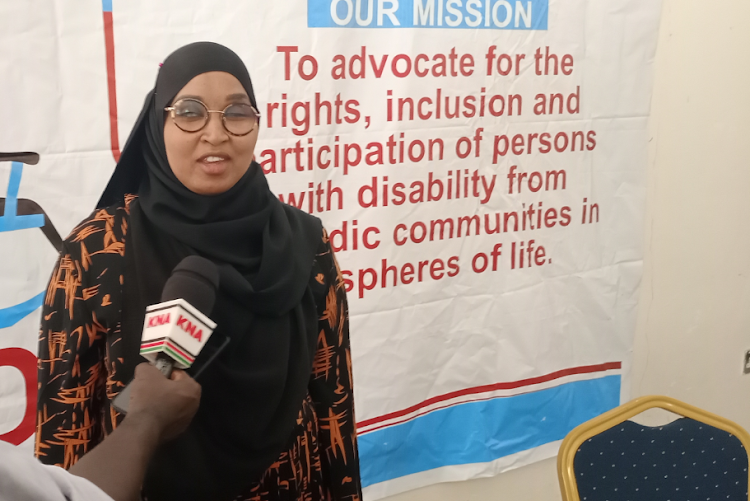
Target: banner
x,y
478,164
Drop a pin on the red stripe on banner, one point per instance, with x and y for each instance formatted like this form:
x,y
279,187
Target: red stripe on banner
x,y
588,369
109,45
427,412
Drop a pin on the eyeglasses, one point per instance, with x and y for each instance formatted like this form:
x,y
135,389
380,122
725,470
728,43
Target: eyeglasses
x,y
191,115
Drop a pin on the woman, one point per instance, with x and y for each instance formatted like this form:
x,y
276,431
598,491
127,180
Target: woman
x,y
276,419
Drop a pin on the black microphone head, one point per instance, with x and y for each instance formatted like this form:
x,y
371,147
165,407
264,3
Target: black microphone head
x,y
196,280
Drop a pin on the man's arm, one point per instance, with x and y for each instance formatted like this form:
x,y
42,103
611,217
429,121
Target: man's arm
x,y
160,409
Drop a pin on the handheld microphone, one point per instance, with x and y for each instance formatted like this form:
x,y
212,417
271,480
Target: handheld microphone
x,y
177,328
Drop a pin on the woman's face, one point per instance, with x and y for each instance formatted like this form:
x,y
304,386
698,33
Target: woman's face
x,y
211,160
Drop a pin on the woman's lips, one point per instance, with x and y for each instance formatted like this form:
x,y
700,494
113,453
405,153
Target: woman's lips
x,y
214,164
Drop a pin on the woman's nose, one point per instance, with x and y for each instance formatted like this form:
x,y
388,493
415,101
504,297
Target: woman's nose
x,y
214,131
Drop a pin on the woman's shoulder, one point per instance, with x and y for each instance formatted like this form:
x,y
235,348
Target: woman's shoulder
x,y
301,215
309,226
103,232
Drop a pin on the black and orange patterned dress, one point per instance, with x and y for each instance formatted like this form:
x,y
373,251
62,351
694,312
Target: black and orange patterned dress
x,y
80,354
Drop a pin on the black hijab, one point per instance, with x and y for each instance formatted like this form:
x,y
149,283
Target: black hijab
x,y
266,304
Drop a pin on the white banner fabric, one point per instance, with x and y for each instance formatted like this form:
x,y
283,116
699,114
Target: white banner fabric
x,y
479,166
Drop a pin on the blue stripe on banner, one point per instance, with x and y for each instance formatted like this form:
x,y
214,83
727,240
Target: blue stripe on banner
x,y
9,221
107,5
16,223
14,183
11,316
480,432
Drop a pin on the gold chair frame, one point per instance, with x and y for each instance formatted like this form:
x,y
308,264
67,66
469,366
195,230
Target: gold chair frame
x,y
574,439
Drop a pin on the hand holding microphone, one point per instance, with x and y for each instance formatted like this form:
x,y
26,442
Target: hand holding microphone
x,y
166,405
160,409
176,329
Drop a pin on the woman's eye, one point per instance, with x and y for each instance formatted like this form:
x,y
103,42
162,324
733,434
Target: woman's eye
x,y
187,112
238,111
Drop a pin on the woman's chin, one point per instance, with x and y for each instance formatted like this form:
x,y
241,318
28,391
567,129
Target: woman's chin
x,y
210,185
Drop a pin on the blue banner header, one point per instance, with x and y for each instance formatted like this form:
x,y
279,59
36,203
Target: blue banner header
x,y
457,14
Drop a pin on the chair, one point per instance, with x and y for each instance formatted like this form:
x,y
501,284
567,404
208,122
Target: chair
x,y
698,457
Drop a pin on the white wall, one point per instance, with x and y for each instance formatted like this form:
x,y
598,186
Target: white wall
x,y
694,316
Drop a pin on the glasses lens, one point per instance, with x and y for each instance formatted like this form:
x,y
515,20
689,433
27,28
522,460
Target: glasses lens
x,y
240,118
190,115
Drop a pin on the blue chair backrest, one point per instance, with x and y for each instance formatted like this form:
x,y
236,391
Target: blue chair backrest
x,y
681,461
